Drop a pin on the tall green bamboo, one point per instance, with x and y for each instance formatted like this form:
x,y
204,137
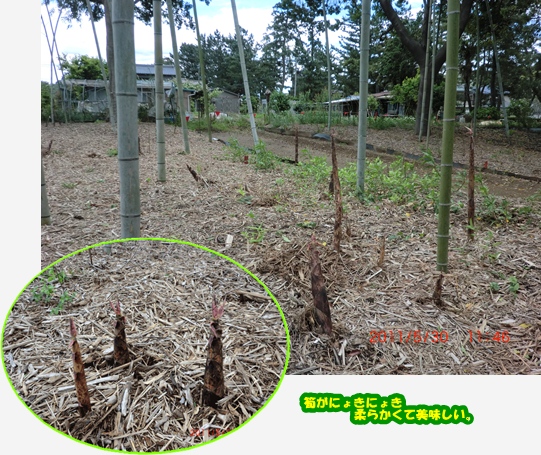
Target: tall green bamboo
x,y
180,86
363,96
449,112
158,75
244,74
102,67
127,136
45,213
202,69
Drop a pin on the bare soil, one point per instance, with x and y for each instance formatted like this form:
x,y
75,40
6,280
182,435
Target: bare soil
x,y
385,319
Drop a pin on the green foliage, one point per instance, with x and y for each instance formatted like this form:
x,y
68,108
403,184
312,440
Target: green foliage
x,y
82,67
254,234
406,93
312,169
488,113
397,182
372,103
522,111
45,290
142,113
279,102
513,284
112,152
45,101
261,157
264,159
244,105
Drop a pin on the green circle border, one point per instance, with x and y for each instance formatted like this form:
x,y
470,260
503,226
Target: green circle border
x,y
159,239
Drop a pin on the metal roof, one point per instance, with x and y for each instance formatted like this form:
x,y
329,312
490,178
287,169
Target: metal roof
x,y
142,69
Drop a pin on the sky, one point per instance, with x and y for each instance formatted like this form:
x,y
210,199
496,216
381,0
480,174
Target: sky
x,y
77,38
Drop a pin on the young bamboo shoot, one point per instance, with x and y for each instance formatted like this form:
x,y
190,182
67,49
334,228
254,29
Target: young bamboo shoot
x,y
322,311
79,373
214,385
121,353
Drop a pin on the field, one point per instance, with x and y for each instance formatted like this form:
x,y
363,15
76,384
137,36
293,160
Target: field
x,y
493,285
261,211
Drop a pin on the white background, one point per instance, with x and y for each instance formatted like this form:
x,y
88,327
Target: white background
x,y
506,409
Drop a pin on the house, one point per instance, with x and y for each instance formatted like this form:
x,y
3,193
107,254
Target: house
x,y
146,71
350,104
94,96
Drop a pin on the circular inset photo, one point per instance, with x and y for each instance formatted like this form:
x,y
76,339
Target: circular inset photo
x,y
145,345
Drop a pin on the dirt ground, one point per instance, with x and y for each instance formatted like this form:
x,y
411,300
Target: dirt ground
x,y
385,319
152,401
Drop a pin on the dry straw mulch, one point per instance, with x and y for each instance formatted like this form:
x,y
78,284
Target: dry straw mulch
x,y
396,295
153,403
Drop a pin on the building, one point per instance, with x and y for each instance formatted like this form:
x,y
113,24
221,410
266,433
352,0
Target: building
x,y
350,105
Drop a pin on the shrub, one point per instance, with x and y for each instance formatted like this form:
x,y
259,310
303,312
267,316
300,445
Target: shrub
x,y
279,102
522,112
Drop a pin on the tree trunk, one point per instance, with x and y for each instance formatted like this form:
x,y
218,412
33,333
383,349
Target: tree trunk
x,y
128,141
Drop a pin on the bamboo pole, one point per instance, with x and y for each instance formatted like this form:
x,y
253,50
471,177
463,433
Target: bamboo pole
x,y
449,111
127,136
329,81
202,69
158,74
433,75
425,77
363,97
244,74
45,213
103,75
180,96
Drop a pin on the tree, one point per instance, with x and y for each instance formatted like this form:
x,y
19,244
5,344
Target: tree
x,y
417,48
280,39
81,67
222,63
189,61
517,28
